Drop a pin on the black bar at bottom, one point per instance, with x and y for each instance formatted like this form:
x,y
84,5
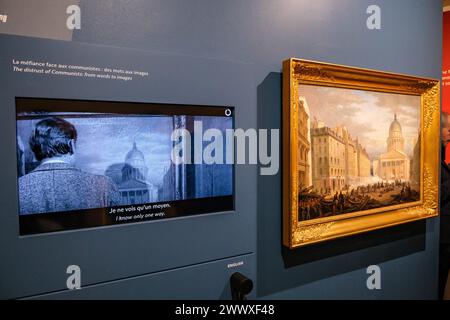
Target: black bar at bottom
x,y
59,221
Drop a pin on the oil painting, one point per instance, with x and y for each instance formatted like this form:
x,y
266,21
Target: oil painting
x,y
357,150
360,150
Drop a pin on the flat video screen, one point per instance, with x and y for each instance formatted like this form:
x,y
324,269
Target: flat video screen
x,y
84,164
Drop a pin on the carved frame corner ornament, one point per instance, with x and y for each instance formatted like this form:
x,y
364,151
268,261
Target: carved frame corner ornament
x,y
303,72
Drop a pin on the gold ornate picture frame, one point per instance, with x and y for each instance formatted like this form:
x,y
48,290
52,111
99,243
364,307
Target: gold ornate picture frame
x,y
360,186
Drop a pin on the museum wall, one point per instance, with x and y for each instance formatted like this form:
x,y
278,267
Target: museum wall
x,y
263,33
238,46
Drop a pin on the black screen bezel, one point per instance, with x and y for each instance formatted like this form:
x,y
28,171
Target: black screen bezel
x,y
42,223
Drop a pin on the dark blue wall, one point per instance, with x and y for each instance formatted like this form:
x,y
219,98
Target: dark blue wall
x,y
265,32
260,34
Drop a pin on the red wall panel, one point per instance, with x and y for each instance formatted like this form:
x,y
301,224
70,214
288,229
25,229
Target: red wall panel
x,y
446,70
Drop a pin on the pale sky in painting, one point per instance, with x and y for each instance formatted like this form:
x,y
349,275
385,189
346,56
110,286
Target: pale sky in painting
x,y
367,115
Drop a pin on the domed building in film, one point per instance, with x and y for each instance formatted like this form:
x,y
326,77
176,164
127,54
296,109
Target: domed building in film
x,y
134,167
134,187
